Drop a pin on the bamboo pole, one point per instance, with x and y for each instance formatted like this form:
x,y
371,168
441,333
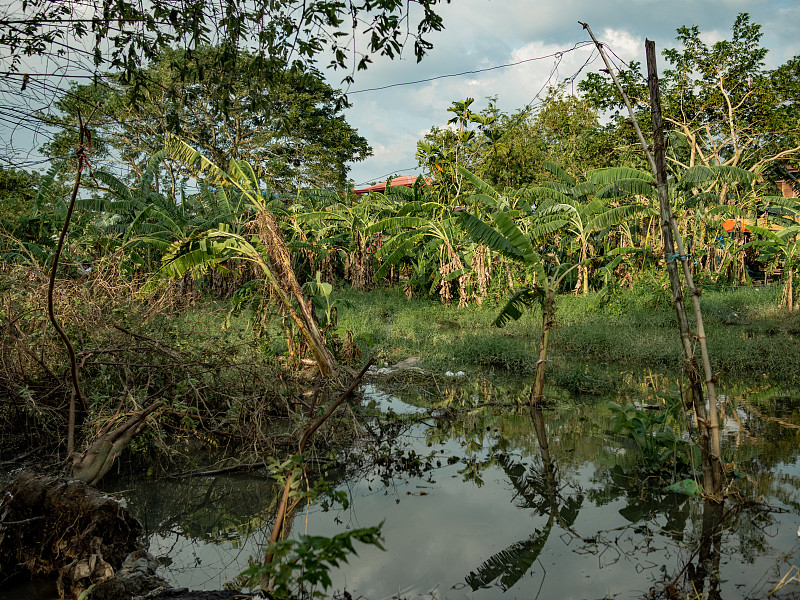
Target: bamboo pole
x,y
713,487
708,423
712,481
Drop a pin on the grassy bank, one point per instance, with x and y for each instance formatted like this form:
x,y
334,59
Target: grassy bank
x,y
749,337
220,380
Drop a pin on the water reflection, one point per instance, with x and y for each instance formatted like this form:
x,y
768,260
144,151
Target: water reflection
x,y
482,499
536,487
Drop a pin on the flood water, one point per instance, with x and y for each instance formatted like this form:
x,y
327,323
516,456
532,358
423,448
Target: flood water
x,y
471,507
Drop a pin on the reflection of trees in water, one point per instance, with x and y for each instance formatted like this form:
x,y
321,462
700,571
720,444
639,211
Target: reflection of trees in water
x,y
213,509
708,530
535,487
503,435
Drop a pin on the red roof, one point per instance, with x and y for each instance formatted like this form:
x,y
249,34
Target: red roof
x,y
405,180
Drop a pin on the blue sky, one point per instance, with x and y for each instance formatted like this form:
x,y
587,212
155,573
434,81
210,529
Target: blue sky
x,y
485,33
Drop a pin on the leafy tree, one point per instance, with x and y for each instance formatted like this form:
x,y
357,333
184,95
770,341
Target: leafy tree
x,y
463,143
779,248
17,191
720,105
423,235
503,235
291,131
124,36
565,130
510,151
336,232
580,209
266,250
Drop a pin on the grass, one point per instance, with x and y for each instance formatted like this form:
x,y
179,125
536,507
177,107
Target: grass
x,y
748,336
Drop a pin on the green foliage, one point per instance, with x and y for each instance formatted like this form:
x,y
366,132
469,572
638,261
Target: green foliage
x,y
17,191
125,36
320,293
291,129
687,487
656,433
721,107
300,567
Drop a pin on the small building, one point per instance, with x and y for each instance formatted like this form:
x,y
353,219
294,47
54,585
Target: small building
x,y
405,180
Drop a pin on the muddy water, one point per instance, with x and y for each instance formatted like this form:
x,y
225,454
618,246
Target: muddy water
x,y
470,508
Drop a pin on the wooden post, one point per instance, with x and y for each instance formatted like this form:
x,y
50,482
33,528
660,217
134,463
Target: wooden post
x,y
709,442
708,423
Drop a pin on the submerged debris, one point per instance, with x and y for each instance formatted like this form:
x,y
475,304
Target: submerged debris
x,y
409,364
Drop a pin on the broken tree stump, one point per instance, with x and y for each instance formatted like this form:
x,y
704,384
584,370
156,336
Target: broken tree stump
x,y
52,527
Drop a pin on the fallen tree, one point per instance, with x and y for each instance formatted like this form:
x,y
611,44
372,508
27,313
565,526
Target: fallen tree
x,y
95,461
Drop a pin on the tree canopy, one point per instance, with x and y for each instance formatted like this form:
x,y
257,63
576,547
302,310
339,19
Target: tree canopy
x,y
292,131
44,44
721,105
125,36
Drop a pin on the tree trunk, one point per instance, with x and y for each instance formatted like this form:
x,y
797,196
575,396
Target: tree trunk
x,y
271,237
548,319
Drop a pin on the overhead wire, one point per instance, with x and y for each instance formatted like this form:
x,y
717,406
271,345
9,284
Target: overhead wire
x,y
523,114
472,72
36,81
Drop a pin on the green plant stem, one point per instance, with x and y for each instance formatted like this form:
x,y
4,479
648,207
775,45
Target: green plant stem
x,y
548,319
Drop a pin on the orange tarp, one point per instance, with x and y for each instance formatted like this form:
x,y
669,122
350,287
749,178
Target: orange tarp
x,y
730,224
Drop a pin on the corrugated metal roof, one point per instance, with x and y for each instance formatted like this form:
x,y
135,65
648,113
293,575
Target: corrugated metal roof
x,y
405,180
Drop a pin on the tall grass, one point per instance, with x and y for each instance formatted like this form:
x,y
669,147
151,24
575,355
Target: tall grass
x,y
748,336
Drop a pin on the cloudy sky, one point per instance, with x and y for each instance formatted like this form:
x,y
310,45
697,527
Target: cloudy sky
x,y
485,33
542,38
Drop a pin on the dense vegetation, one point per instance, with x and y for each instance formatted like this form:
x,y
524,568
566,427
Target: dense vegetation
x,y
206,287
209,211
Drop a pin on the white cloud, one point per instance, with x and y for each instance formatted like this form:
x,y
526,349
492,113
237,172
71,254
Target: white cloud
x,y
481,34
624,44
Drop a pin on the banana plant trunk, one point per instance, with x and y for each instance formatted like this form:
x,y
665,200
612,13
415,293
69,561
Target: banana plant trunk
x,y
548,320
271,237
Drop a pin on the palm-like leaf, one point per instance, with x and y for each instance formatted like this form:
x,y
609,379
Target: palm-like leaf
x,y
614,174
625,187
515,305
511,564
620,214
583,189
394,225
556,195
489,236
479,183
562,175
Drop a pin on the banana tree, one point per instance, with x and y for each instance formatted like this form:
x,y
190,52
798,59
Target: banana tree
x,y
339,230
266,248
578,209
502,235
779,248
423,233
